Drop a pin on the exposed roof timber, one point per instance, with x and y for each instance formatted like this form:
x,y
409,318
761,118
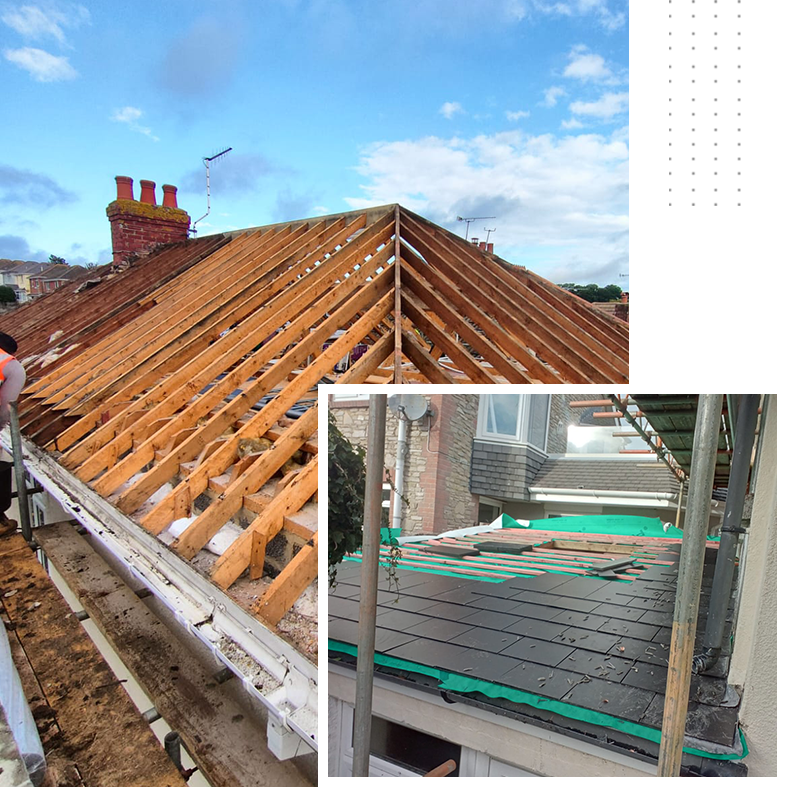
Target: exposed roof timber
x,y
197,351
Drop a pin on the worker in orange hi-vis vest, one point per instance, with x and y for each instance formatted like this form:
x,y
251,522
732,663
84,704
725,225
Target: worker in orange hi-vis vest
x,y
12,381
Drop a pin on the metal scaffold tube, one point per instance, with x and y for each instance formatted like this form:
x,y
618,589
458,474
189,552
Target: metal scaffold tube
x,y
684,626
19,474
746,424
367,613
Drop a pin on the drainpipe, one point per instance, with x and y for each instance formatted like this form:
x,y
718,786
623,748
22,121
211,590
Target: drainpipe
x,y
687,596
367,611
680,504
396,493
746,423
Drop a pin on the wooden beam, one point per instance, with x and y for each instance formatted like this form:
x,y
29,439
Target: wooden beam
x,y
289,584
423,361
236,558
397,302
219,512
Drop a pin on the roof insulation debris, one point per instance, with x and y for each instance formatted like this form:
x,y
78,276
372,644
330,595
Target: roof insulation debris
x,y
536,635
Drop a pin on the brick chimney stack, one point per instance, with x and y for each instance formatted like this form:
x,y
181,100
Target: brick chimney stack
x,y
139,225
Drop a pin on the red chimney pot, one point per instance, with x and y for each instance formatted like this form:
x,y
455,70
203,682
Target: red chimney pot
x,y
125,187
148,194
490,247
170,196
482,246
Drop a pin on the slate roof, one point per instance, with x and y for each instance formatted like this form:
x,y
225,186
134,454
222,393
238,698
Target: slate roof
x,y
592,474
595,644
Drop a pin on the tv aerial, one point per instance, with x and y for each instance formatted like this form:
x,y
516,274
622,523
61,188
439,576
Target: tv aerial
x,y
206,160
469,219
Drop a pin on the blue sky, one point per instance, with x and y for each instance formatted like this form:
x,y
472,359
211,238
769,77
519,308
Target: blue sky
x,y
516,109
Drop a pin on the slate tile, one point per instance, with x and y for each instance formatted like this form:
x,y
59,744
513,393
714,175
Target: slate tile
x,y
618,612
487,640
576,604
553,683
536,628
346,609
587,639
646,651
663,636
345,591
534,611
346,631
431,653
538,651
399,620
383,596
460,596
343,630
406,603
501,591
633,629
540,583
647,677
660,618
706,722
450,611
486,665
613,698
579,619
500,604
539,598
597,665
491,619
610,594
439,629
583,586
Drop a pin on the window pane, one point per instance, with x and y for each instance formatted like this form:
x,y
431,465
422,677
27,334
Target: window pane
x,y
586,440
502,414
539,415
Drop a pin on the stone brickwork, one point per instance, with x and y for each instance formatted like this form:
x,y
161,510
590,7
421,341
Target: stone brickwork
x,y
561,416
504,470
437,464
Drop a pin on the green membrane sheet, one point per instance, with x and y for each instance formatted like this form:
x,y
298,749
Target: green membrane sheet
x,y
458,683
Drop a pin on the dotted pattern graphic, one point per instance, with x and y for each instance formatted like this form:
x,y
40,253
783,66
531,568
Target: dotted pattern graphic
x,y
705,71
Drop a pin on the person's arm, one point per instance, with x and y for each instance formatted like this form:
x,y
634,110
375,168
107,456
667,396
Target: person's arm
x,y
15,378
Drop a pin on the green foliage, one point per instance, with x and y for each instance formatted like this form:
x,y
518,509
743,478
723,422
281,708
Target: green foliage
x,y
55,259
346,488
594,293
7,295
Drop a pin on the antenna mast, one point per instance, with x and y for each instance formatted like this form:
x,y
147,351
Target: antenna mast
x,y
206,160
469,219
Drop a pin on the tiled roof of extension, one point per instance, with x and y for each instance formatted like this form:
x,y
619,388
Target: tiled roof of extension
x,y
596,474
534,636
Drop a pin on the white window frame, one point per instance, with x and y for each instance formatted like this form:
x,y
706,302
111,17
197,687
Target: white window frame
x,y
523,421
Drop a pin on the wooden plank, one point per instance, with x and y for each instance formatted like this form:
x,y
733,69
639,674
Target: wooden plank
x,y
425,285
88,703
268,416
236,558
454,350
225,742
220,511
602,547
397,301
423,361
289,584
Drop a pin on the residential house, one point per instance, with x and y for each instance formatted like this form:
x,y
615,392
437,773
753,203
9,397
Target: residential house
x,y
18,277
54,277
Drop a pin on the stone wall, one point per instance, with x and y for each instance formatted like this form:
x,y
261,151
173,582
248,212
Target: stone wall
x,y
437,465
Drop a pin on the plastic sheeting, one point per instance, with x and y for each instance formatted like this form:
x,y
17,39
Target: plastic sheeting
x,y
17,713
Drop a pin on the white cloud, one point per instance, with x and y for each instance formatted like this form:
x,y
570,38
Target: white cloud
x,y
41,66
130,116
559,201
608,19
517,116
609,105
37,23
450,108
572,124
585,66
552,94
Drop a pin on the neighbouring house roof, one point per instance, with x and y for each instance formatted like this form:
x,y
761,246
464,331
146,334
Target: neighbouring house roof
x,y
593,474
30,267
534,635
51,271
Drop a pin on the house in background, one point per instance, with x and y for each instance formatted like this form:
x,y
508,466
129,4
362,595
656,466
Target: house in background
x,y
16,274
54,277
530,456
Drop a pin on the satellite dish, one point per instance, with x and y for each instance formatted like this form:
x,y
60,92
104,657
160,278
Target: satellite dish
x,y
414,406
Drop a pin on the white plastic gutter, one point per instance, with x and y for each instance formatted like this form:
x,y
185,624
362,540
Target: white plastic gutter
x,y
289,691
